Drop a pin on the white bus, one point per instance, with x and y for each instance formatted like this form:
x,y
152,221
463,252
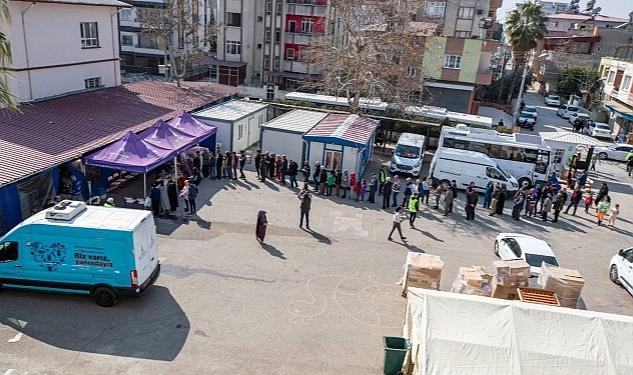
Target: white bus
x,y
524,156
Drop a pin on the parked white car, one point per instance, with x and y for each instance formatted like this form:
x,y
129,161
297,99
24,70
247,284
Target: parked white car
x,y
526,120
530,109
565,110
621,269
598,130
615,152
578,115
553,100
534,251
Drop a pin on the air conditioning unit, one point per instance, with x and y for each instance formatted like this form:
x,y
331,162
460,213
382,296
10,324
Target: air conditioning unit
x,y
66,210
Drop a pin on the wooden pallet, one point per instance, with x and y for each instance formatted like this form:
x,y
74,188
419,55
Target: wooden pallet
x,y
544,297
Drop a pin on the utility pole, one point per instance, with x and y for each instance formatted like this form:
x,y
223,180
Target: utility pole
x,y
517,106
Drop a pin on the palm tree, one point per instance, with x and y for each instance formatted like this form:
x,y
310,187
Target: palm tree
x,y
524,26
6,99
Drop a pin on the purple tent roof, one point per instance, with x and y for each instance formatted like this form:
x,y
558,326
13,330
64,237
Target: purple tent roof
x,y
130,153
163,135
189,125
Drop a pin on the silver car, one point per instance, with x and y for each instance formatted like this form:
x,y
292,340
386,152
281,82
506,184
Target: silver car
x,y
615,152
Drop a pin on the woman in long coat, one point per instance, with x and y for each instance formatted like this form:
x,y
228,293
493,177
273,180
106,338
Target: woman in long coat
x,y
501,200
262,223
172,194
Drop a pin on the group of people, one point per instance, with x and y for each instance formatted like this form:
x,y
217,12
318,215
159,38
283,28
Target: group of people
x,y
163,197
276,167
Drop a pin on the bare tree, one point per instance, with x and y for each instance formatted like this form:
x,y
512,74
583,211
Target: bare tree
x,y
373,50
176,28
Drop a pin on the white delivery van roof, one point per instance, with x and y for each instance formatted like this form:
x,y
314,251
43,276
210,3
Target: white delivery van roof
x,y
465,156
411,139
95,217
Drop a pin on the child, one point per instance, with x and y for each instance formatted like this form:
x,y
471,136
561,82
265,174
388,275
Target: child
x,y
588,201
613,215
363,189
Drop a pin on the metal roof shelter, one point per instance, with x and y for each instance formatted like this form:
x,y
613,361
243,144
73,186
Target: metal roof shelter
x,y
296,121
343,129
231,111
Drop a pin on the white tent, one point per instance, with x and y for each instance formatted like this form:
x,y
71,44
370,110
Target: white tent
x,y
454,333
564,144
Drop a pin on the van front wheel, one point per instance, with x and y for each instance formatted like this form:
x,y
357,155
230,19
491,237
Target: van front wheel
x,y
104,296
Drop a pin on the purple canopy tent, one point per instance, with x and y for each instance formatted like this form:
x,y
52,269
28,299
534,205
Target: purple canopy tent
x,y
130,153
185,123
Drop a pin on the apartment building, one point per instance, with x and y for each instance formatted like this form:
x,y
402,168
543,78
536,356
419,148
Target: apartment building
x,y
567,23
462,18
143,53
617,76
82,55
552,7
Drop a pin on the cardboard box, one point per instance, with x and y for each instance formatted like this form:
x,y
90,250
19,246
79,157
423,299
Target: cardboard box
x,y
423,271
504,292
511,269
566,283
472,280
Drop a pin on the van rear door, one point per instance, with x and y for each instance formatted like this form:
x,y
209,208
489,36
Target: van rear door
x,y
145,250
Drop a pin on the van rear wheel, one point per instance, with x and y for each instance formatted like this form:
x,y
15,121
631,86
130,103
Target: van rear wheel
x,y
104,296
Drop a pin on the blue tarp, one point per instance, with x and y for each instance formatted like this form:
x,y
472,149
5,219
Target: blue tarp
x,y
9,207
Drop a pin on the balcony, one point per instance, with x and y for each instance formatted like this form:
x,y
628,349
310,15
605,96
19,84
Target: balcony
x,y
298,67
306,10
299,38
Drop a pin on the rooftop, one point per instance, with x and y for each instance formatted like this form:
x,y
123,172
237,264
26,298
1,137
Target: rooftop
x,y
345,129
51,132
584,17
298,121
569,137
231,111
107,3
96,217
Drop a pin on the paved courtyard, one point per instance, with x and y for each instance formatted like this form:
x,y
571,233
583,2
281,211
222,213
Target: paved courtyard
x,y
305,303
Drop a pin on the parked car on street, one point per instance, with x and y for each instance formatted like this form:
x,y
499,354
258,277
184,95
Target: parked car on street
x,y
526,120
598,130
615,152
553,100
621,269
565,110
578,116
534,251
530,109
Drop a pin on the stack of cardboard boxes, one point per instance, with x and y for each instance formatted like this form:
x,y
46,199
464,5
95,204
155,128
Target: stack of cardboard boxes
x,y
566,283
510,274
472,280
422,271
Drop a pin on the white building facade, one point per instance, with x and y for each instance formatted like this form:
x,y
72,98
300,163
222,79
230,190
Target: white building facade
x,y
62,47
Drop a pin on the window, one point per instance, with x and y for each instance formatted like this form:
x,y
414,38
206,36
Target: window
x,y
290,54
8,251
267,36
466,13
233,47
127,40
240,132
126,15
333,159
435,9
555,24
626,84
89,35
493,173
292,26
462,34
280,8
266,62
452,62
410,72
276,63
269,6
277,35
91,83
234,19
611,77
307,25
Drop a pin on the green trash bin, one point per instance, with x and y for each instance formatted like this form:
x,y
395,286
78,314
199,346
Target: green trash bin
x,y
395,350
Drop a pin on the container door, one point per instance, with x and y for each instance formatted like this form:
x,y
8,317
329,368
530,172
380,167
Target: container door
x,y
145,251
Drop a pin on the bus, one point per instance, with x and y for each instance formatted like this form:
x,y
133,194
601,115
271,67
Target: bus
x,y
378,107
526,157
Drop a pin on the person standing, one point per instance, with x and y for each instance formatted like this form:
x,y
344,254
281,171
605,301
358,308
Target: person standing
x,y
322,180
471,203
547,206
603,192
613,215
278,163
352,184
154,195
382,178
453,187
242,164
373,186
356,189
386,193
362,189
412,206
395,190
426,190
306,202
575,199
519,201
594,160
331,182
407,191
629,165
258,161
337,182
212,161
488,194
316,175
260,227
397,219
192,193
559,204
439,192
184,194
345,183
270,165
164,199
195,176
284,169
603,208
263,172
588,200
172,194
306,171
235,161
219,166
448,200
501,199
293,169
226,168
582,179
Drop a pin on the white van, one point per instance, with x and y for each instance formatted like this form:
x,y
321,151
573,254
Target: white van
x,y
468,166
408,155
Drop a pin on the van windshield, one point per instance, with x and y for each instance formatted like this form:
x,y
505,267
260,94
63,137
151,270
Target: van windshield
x,y
409,152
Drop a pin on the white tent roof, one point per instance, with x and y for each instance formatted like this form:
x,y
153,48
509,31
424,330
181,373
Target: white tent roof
x,y
454,333
569,137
